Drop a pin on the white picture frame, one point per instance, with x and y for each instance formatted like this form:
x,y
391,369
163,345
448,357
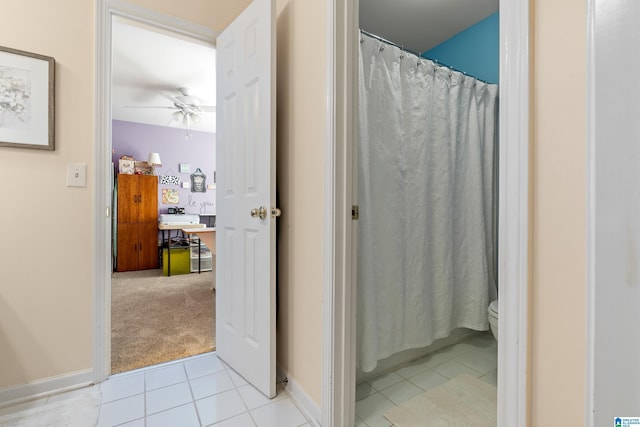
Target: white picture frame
x,y
27,100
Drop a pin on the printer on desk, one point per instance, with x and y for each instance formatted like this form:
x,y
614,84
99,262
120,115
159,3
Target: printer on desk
x,y
179,219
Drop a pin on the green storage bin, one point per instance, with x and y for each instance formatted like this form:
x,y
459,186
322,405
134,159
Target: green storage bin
x,y
180,261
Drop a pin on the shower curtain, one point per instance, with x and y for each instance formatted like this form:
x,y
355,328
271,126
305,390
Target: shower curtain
x,y
427,191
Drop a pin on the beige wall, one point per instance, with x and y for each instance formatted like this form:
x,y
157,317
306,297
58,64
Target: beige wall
x,y
559,214
216,14
46,271
301,132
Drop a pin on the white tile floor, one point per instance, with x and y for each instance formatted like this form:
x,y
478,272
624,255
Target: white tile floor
x,y
476,356
203,391
198,391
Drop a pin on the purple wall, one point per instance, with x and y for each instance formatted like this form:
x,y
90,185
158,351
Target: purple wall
x,y
138,140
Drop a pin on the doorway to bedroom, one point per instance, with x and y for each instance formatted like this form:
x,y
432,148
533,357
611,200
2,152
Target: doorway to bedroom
x,y
163,181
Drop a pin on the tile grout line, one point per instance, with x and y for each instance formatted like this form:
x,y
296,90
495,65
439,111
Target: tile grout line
x,y
193,398
235,387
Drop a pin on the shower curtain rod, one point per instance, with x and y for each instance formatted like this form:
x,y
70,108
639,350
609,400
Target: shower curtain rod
x,y
419,55
382,39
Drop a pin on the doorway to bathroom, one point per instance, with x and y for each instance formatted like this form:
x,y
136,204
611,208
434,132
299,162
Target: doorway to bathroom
x,y
427,180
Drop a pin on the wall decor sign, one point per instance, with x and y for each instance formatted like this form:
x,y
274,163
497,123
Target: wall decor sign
x,y
27,100
169,180
170,196
198,182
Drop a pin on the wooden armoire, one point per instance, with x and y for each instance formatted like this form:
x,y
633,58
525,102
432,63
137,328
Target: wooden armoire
x,y
137,222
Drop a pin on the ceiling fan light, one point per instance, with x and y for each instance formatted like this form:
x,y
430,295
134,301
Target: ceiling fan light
x,y
177,115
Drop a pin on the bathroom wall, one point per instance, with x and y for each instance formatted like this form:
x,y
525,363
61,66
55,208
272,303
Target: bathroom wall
x,y
138,140
474,50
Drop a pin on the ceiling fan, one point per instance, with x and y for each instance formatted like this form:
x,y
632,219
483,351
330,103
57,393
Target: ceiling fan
x,y
187,108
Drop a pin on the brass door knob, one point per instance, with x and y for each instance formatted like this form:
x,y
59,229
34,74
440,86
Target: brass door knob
x,y
260,212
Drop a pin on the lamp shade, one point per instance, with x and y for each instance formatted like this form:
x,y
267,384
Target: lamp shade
x,y
154,159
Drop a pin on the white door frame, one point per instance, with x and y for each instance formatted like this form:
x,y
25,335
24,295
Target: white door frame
x,y
338,394
105,10
613,205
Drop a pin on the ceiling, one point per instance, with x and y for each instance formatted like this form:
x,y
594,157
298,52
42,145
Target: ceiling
x,y
148,60
419,25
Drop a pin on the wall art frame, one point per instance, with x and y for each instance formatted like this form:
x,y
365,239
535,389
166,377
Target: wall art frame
x,y
27,99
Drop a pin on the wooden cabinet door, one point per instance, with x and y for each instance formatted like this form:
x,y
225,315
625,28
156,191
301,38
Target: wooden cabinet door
x,y
127,198
147,245
127,247
148,199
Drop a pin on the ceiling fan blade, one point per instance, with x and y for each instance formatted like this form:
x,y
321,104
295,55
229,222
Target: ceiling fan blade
x,y
174,100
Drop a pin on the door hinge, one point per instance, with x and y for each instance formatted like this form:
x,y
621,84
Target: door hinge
x,y
355,212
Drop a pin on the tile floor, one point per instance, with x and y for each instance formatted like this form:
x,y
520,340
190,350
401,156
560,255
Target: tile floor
x,y
204,391
198,391
476,356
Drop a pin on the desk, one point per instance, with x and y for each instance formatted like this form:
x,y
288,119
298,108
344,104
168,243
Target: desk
x,y
206,234
169,227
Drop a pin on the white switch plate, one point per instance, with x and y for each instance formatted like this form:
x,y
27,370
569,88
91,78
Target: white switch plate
x,y
76,175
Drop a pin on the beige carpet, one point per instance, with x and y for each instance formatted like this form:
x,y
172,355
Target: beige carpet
x,y
155,319
464,401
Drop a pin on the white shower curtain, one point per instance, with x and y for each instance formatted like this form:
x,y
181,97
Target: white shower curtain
x,y
427,195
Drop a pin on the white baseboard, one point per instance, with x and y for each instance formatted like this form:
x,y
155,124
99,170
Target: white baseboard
x,y
304,401
46,387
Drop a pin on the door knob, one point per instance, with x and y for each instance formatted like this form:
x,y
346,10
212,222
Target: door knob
x,y
275,212
260,212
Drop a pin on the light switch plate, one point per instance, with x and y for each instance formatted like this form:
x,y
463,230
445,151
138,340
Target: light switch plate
x,y
186,184
76,175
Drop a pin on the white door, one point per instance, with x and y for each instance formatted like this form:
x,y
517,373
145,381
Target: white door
x,y
245,249
614,229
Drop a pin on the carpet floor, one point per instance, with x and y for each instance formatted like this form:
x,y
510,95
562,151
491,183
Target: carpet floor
x,y
461,402
156,319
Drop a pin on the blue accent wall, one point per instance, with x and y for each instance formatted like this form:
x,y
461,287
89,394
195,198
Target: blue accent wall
x,y
474,50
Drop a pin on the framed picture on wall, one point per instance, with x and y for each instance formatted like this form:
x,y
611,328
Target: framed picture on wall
x,y
27,99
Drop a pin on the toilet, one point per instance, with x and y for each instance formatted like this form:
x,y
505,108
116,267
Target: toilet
x,y
493,318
